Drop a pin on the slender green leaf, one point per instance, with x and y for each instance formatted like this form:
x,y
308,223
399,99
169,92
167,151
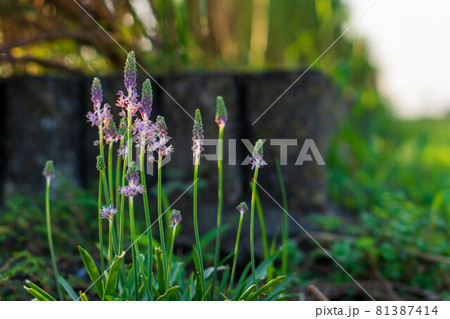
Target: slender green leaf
x,y
205,296
92,271
168,293
36,294
198,287
223,261
114,270
175,271
224,280
262,269
264,288
72,294
160,270
41,291
83,296
247,292
240,286
279,289
224,297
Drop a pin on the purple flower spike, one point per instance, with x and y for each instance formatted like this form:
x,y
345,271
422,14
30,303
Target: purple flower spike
x,y
257,160
175,218
146,99
122,151
197,135
110,131
133,188
49,170
144,131
107,212
242,207
161,127
159,145
130,72
96,92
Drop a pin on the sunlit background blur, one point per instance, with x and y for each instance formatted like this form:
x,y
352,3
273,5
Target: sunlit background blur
x,y
408,41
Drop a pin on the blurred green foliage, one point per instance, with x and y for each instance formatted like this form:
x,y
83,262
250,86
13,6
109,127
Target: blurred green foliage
x,y
397,177
24,250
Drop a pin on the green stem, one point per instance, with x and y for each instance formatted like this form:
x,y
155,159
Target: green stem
x,y
236,250
100,228
118,165
197,237
50,238
262,225
110,175
122,206
160,220
169,262
147,221
285,221
135,255
105,186
137,258
129,141
219,206
252,225
110,242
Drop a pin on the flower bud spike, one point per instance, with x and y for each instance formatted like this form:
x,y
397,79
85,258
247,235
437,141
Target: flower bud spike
x,y
100,163
147,98
96,92
122,127
257,160
130,73
242,207
161,126
49,170
221,112
175,218
197,135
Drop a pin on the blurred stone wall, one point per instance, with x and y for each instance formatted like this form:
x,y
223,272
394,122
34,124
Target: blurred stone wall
x,y
44,118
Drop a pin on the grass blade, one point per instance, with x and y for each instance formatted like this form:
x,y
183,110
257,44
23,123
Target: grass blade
x,y
264,288
68,288
92,271
36,294
111,281
168,293
247,292
41,291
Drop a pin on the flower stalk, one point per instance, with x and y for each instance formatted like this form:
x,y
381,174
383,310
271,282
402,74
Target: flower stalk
x,y
257,162
175,218
49,174
197,149
221,120
242,208
285,222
